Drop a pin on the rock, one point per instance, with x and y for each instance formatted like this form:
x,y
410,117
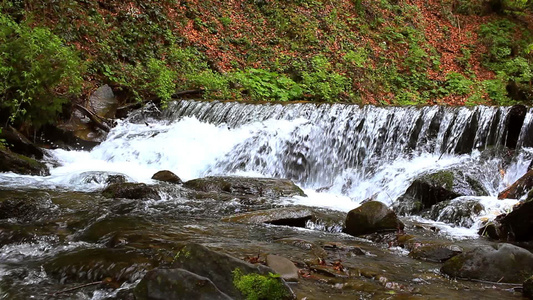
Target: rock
x,y
498,263
131,190
219,268
315,249
16,163
518,189
297,216
70,136
103,102
461,211
167,176
26,208
100,177
176,284
518,224
96,264
527,288
372,216
283,267
18,143
430,189
246,186
435,252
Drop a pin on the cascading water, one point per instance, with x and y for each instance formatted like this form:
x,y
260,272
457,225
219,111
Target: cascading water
x,y
340,154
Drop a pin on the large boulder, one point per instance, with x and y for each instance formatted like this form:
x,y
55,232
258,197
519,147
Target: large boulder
x,y
103,102
163,284
246,186
16,163
372,216
498,263
131,190
297,216
519,188
220,268
167,176
430,189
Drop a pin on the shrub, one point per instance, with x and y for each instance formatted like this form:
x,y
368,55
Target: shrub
x,y
265,85
321,82
38,73
259,287
458,84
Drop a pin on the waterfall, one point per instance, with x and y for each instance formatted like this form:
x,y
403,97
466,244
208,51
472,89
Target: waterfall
x,y
340,154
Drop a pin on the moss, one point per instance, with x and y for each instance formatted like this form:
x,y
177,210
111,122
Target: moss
x,y
442,178
260,287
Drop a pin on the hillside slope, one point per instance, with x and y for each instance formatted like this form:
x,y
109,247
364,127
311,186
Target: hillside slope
x,y
379,52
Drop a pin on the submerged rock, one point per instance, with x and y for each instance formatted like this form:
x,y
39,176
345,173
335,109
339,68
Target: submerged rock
x,y
372,216
131,190
498,263
430,189
518,189
167,176
246,186
16,163
177,284
297,216
220,268
96,264
461,211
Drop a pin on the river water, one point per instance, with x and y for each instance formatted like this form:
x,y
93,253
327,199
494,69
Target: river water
x,y
339,154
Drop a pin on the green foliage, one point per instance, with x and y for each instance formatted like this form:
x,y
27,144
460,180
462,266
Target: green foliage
x,y
497,92
359,57
264,85
38,73
259,287
321,82
498,36
458,84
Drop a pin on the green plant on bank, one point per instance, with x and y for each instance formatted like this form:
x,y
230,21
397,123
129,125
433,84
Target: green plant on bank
x,y
322,83
259,287
38,73
458,84
265,85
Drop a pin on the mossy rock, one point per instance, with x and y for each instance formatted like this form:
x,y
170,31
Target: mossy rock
x,y
20,164
130,190
430,189
435,252
372,216
498,263
220,268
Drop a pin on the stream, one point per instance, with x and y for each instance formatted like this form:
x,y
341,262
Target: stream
x,y
61,232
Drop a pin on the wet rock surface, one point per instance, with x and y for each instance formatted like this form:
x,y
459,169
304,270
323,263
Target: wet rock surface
x,y
218,267
499,263
527,288
167,176
245,186
131,190
16,163
298,216
372,216
519,188
430,189
177,284
283,266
